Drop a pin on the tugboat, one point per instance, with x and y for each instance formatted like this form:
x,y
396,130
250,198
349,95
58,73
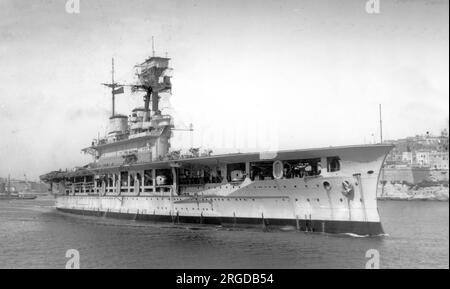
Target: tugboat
x,y
135,175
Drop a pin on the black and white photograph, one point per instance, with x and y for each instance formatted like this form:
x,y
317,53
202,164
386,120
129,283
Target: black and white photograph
x,y
211,135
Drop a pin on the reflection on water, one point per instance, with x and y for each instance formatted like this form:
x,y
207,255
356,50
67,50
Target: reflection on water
x,y
33,234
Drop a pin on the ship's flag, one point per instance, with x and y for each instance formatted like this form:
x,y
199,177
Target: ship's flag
x,y
118,91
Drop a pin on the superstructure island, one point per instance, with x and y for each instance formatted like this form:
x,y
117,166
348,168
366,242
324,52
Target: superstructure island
x,y
135,175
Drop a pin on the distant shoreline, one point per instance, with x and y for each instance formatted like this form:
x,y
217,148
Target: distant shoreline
x,y
425,191
410,199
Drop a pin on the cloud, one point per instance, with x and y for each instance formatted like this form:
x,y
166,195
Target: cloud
x,y
314,70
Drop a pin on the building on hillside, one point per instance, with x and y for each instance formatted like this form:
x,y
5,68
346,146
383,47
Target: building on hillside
x,y
408,158
439,160
423,158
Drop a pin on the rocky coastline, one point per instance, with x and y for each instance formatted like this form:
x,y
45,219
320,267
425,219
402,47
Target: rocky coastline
x,y
425,191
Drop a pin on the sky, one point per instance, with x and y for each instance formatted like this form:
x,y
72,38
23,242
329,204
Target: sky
x,y
249,75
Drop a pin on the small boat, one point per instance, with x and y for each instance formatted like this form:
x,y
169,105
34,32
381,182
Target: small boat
x,y
17,197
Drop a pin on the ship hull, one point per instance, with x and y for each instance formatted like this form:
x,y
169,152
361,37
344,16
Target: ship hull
x,y
315,226
302,204
342,201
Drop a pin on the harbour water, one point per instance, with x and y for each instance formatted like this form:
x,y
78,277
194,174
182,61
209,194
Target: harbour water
x,y
34,235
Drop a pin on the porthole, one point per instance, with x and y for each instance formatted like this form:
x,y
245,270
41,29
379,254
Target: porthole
x,y
277,169
307,200
370,172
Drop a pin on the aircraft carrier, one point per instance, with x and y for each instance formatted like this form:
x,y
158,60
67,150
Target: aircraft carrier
x,y
134,174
